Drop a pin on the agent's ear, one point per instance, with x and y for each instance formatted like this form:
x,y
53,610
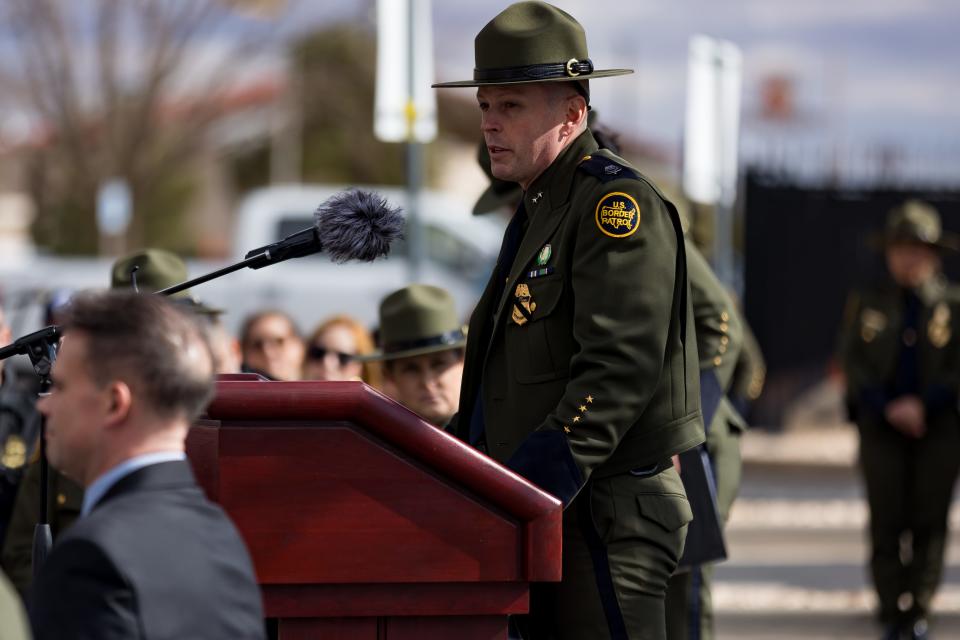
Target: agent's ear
x,y
575,115
119,402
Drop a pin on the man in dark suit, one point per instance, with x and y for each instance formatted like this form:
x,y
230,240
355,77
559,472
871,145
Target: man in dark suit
x,y
150,556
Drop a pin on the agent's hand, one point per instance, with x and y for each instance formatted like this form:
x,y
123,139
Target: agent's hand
x,y
907,415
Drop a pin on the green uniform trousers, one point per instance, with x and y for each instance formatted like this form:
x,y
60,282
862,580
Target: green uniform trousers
x,y
622,538
909,486
689,603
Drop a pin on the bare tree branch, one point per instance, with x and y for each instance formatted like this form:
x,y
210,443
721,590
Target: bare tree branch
x,y
102,75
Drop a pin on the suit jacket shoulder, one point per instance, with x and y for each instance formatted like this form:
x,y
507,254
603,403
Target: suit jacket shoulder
x,y
176,557
81,593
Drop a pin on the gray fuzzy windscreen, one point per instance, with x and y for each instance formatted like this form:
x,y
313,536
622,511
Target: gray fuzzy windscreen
x,y
357,225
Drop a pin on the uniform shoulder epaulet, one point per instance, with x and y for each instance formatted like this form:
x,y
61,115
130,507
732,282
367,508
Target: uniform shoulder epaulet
x,y
952,294
606,168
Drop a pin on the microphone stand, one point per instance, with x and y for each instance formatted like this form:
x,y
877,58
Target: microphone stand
x,y
41,347
296,245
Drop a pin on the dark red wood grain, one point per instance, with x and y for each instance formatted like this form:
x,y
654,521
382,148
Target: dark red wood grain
x,y
363,521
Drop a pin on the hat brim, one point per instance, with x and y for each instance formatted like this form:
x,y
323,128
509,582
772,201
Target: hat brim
x,y
195,306
491,200
599,73
380,356
879,241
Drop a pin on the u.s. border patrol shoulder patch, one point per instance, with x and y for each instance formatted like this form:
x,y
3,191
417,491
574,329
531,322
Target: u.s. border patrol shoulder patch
x,y
618,215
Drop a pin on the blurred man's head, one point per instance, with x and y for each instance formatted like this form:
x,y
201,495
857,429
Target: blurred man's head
x,y
422,351
913,241
132,373
271,344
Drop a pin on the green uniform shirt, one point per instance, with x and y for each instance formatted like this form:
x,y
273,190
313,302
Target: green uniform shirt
x,y
874,337
587,361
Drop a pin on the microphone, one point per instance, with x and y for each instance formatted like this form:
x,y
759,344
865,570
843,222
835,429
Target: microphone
x,y
353,225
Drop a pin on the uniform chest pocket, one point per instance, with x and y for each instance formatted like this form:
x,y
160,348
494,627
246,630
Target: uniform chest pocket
x,y
536,337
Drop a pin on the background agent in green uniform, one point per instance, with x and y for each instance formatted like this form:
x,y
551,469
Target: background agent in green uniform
x,y
581,366
901,355
719,330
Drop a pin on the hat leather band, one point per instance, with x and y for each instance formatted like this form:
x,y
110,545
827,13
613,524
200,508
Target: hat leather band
x,y
570,69
450,337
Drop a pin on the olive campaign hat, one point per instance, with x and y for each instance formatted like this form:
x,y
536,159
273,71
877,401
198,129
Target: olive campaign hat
x,y
915,221
417,320
156,269
532,42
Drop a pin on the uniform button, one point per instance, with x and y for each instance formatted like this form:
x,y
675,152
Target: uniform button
x,y
724,327
725,316
61,499
717,361
909,337
722,348
724,340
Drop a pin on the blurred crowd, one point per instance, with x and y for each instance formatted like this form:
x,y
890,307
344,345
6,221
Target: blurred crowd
x,y
419,364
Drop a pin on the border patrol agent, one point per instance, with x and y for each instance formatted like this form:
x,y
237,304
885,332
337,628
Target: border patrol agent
x,y
156,269
421,350
19,428
581,366
901,356
719,330
721,344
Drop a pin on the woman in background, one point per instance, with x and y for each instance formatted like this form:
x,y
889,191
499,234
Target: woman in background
x,y
332,349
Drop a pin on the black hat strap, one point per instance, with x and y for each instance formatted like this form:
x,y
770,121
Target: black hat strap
x,y
448,338
569,70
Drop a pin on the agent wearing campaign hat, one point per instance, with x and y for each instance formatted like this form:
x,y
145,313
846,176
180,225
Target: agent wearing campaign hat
x,y
422,343
901,356
581,369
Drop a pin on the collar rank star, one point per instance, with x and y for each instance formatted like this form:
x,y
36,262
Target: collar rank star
x,y
618,215
537,197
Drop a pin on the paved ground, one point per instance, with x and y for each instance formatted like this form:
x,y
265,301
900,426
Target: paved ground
x,y
797,546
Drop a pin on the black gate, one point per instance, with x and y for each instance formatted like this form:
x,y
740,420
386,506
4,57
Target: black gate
x,y
804,249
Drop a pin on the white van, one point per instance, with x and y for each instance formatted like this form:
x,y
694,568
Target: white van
x,y
460,251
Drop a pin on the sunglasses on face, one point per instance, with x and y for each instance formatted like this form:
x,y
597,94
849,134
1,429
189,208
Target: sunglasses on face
x,y
320,353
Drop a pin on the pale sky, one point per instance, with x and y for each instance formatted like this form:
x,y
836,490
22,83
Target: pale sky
x,y
866,74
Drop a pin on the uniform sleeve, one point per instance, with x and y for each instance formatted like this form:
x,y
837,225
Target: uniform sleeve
x,y
750,373
624,287
864,393
18,544
719,331
940,394
81,595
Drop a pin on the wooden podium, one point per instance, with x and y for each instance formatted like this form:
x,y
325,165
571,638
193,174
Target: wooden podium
x,y
364,522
